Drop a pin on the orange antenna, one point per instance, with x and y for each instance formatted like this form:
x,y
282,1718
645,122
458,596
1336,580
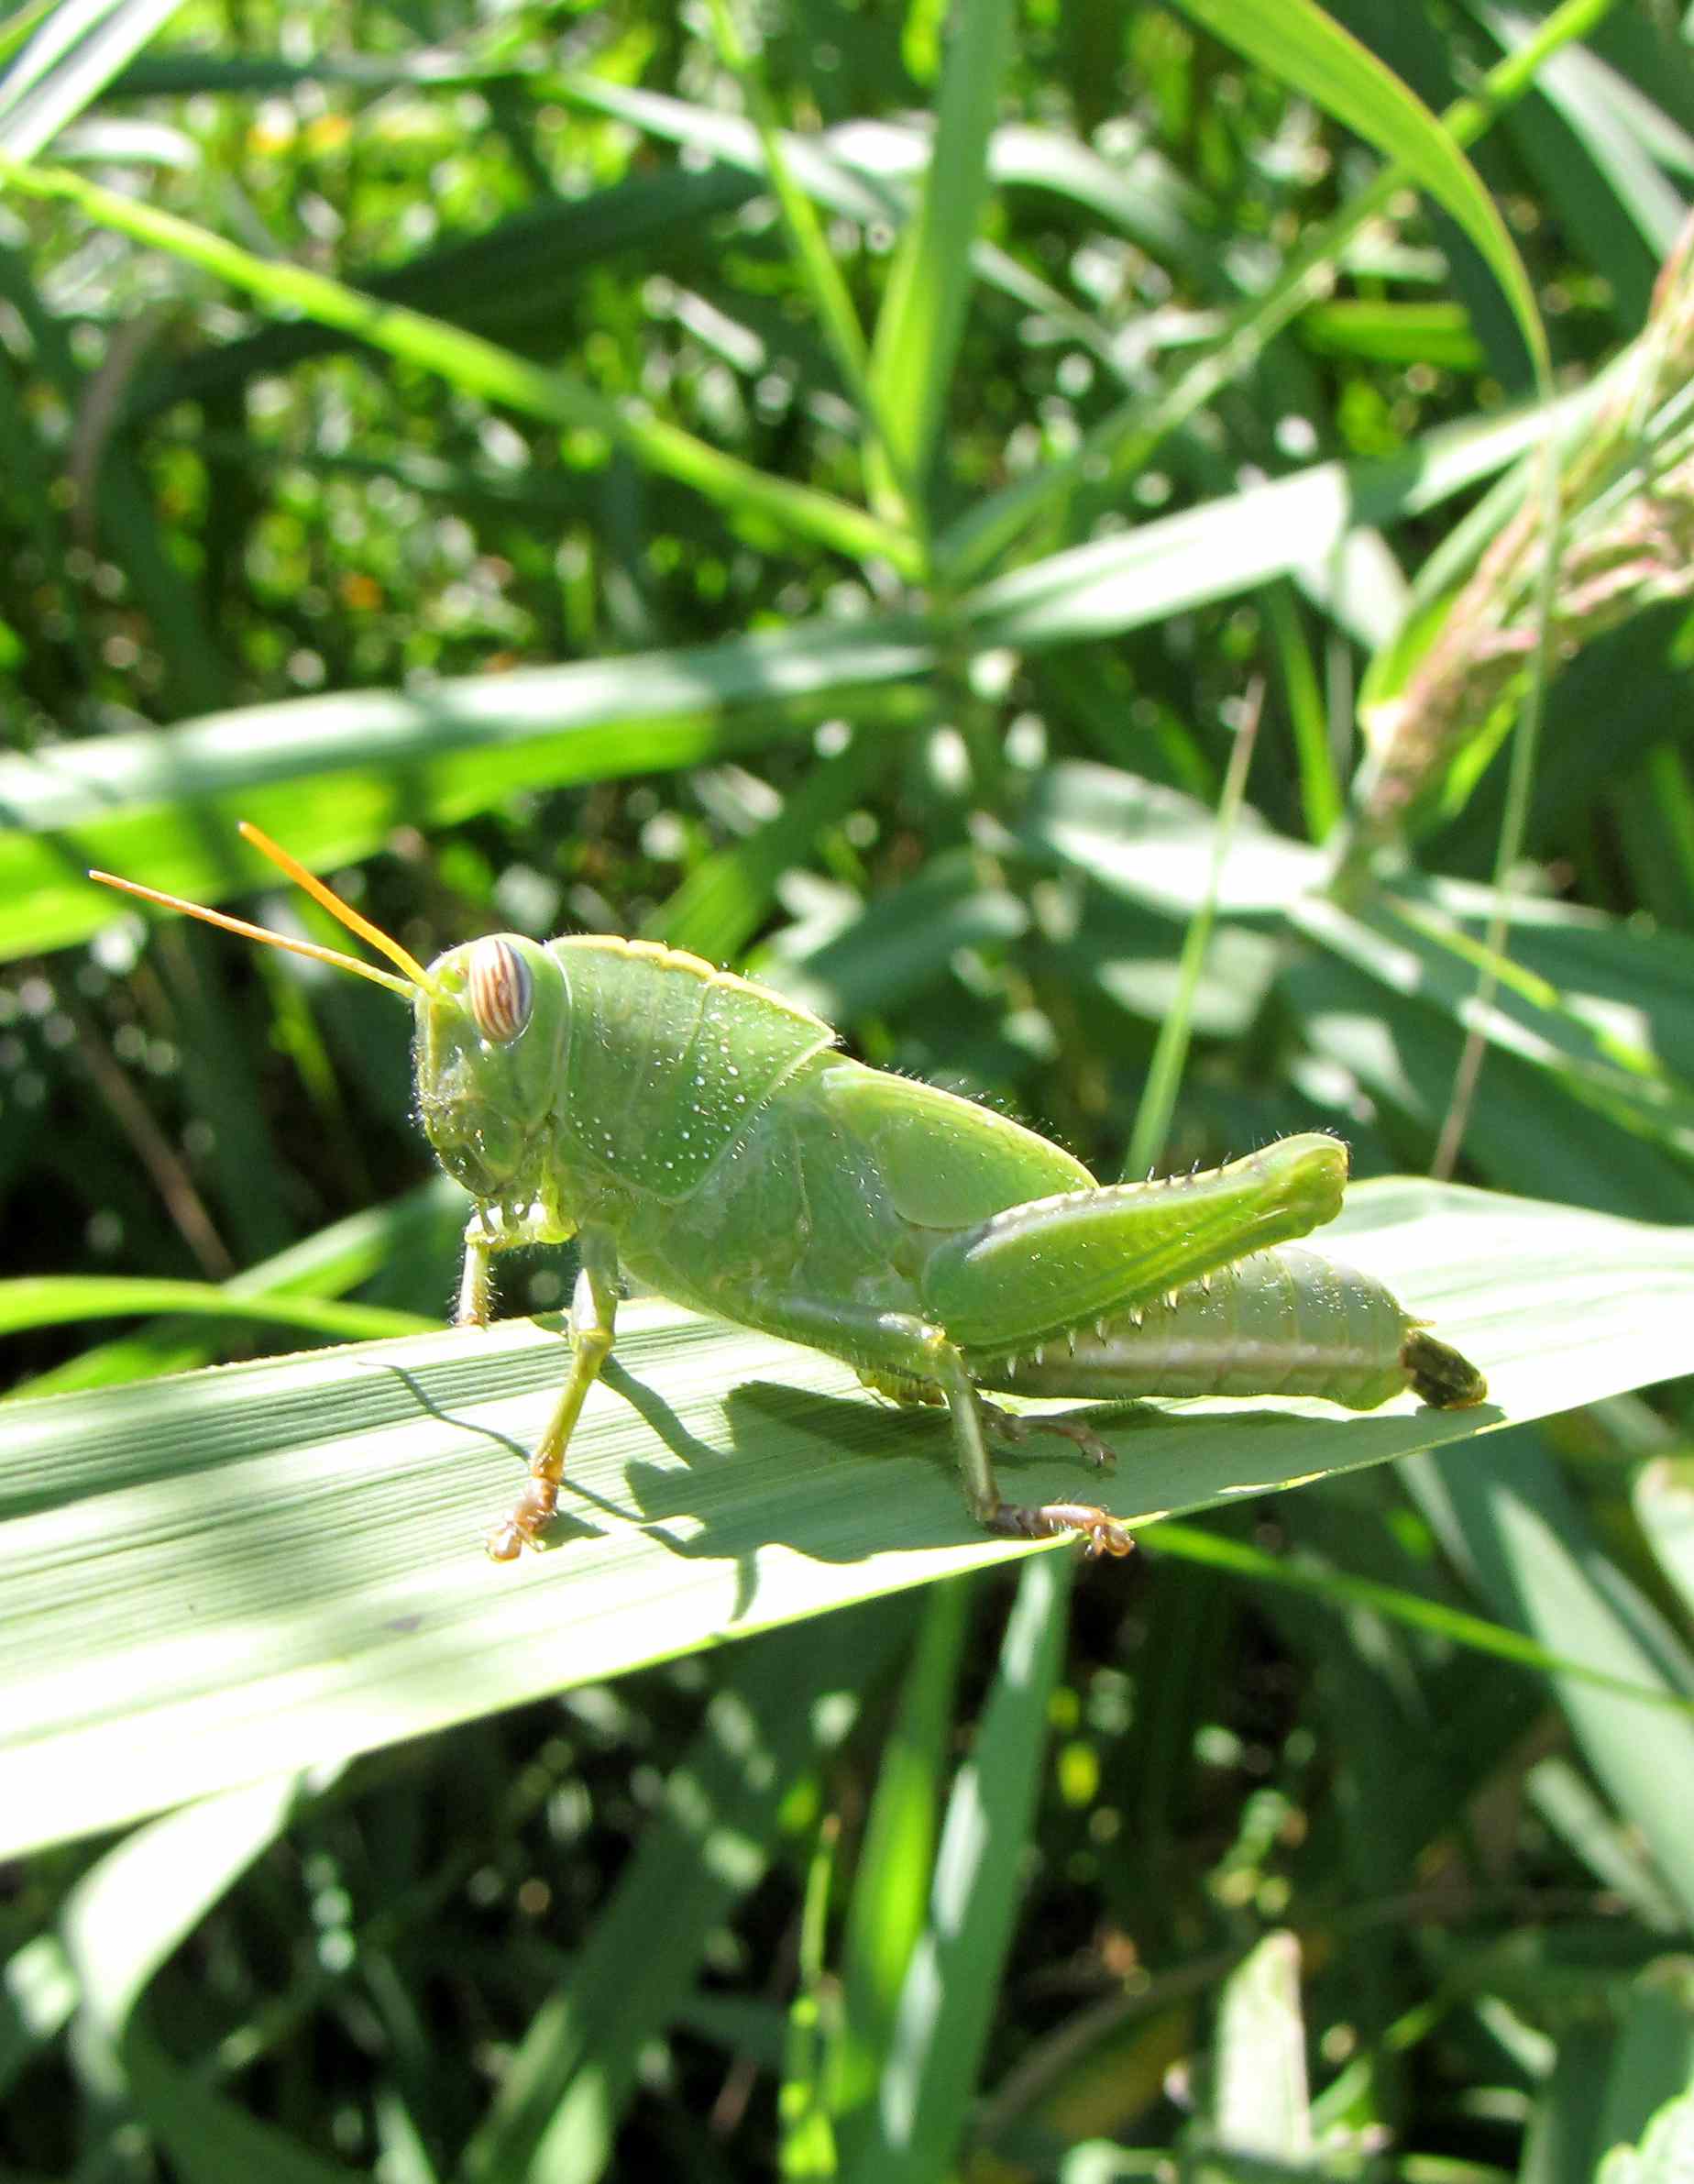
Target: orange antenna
x,y
416,976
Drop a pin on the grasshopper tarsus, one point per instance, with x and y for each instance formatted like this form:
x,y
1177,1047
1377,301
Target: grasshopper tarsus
x,y
1009,1426
1048,1520
532,1512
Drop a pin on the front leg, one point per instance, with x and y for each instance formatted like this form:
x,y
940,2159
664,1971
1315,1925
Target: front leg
x,y
488,1231
476,1297
593,1316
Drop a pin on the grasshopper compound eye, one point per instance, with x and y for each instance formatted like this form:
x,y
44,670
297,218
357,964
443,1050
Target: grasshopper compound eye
x,y
500,989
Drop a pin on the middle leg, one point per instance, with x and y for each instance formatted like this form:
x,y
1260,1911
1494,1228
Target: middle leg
x,y
914,1361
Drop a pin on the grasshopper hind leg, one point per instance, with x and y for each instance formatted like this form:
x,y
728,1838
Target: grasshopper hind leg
x,y
912,1361
1023,1520
1045,1520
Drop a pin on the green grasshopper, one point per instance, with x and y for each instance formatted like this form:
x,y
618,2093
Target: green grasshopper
x,y
708,1136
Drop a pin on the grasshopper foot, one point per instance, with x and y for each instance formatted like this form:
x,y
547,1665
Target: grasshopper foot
x,y
1047,1520
1007,1427
532,1513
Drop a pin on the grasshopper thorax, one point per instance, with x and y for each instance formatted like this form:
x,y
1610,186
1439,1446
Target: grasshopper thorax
x,y
489,1043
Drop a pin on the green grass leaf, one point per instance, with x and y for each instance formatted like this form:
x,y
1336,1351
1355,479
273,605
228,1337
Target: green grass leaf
x,y
941,2026
738,1790
929,291
55,1300
330,776
72,57
1301,44
299,1540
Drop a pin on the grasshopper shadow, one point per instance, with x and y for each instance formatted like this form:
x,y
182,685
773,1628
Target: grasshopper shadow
x,y
564,1526
794,1462
808,1426
817,1454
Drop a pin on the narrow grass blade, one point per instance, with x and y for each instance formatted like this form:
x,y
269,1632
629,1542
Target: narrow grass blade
x,y
816,260
76,52
1301,44
1528,1546
935,2056
1290,526
1664,1504
891,1889
149,1893
1152,1117
331,776
56,1300
418,1230
724,1813
1410,951
1260,2101
1212,1550
923,311
1123,442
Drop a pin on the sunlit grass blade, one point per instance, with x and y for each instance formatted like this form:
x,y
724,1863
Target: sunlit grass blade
x,y
301,1539
891,1887
58,1300
63,68
1297,41
1407,954
1120,444
1214,1551
141,1899
331,775
1259,2108
419,1230
1664,1505
1520,1534
1293,525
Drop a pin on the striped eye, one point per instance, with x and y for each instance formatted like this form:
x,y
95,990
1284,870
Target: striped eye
x,y
500,989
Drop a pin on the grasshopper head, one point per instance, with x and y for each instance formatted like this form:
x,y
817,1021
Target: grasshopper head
x,y
490,1029
491,1032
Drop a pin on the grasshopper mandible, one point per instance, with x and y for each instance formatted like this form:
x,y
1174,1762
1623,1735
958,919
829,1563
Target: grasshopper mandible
x,y
709,1137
